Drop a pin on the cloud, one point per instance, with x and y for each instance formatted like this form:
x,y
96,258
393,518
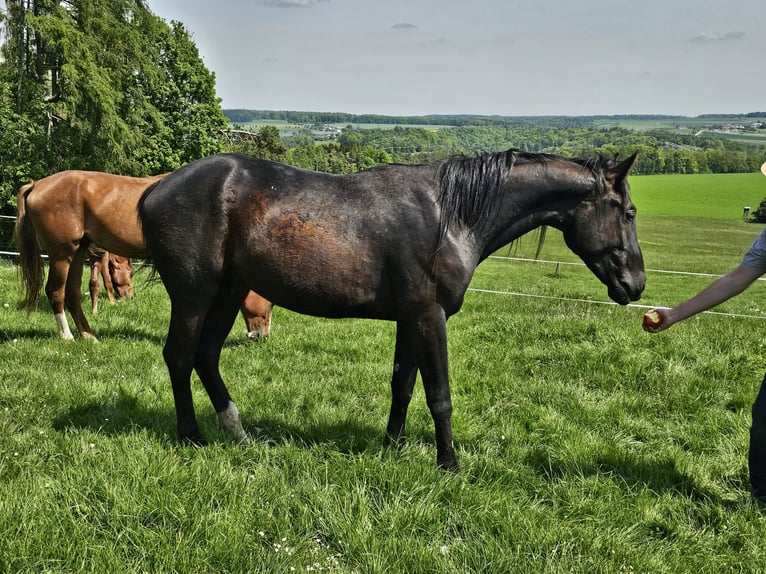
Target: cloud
x,y
717,37
293,3
403,26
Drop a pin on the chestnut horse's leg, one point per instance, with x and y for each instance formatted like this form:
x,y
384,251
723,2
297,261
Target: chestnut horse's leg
x,y
96,269
218,323
106,275
73,292
402,384
54,289
428,329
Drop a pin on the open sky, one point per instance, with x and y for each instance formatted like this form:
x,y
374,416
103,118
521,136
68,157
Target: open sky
x,y
505,57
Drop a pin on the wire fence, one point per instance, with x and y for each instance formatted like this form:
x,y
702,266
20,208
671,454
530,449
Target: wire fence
x,y
9,252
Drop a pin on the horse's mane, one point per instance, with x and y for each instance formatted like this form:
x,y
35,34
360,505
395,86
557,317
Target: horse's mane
x,y
471,187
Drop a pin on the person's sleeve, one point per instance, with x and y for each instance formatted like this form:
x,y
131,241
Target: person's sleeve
x,y
755,258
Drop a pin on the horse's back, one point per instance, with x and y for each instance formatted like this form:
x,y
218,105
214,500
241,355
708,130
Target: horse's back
x,y
72,204
298,237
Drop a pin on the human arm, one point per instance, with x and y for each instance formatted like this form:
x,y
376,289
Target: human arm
x,y
720,290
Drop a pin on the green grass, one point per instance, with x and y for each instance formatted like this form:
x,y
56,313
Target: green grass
x,y
672,122
713,196
586,444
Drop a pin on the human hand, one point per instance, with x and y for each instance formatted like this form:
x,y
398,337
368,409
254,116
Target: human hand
x,y
653,321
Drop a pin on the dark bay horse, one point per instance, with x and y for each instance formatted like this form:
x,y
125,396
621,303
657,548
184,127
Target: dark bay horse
x,y
395,242
64,214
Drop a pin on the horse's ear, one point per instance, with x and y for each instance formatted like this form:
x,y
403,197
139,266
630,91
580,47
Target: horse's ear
x,y
621,170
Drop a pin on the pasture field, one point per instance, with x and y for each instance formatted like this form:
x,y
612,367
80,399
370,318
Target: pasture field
x,y
285,128
714,196
689,126
586,445
671,122
289,128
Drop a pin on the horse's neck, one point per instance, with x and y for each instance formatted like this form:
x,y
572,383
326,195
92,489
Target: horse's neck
x,y
531,201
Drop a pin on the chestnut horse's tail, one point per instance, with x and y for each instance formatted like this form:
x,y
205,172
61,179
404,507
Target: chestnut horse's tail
x,y
30,257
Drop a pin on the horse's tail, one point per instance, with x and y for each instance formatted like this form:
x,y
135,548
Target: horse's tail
x,y
30,256
139,210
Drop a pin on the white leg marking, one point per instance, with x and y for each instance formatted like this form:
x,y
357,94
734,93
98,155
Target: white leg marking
x,y
229,419
63,326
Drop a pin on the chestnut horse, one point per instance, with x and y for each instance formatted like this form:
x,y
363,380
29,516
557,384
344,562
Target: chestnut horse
x,y
65,213
396,242
116,272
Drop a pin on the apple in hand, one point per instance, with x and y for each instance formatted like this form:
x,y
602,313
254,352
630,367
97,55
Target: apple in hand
x,y
652,320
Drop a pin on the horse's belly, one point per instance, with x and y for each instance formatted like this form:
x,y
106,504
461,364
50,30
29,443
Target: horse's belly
x,y
120,235
324,294
317,285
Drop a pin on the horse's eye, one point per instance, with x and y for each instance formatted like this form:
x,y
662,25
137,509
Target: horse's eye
x,y
630,215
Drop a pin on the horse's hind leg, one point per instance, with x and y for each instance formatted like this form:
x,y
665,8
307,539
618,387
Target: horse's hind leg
x,y
54,290
218,323
200,319
402,384
73,292
186,318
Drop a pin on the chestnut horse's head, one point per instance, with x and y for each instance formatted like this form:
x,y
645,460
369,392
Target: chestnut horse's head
x,y
603,233
121,272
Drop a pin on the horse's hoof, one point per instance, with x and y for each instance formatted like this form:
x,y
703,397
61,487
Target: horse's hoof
x,y
243,439
394,442
89,337
196,440
450,465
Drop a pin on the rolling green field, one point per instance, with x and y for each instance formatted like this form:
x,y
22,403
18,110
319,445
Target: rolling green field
x,y
586,445
286,128
671,122
716,196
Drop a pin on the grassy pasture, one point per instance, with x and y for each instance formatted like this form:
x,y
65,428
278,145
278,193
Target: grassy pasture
x,y
671,122
709,196
586,445
289,128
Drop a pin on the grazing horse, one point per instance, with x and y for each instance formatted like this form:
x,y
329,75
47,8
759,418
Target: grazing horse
x,y
396,242
65,213
256,311
116,272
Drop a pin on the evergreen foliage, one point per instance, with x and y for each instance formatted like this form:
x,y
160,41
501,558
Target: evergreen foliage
x,y
101,85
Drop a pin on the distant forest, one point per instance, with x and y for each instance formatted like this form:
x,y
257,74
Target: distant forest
x,y
666,144
242,116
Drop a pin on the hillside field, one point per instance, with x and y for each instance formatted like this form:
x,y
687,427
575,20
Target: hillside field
x,y
716,196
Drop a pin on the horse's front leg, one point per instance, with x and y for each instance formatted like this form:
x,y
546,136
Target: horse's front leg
x,y
106,275
402,384
429,337
96,267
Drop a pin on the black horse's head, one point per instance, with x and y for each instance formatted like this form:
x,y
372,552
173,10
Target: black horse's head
x,y
602,232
